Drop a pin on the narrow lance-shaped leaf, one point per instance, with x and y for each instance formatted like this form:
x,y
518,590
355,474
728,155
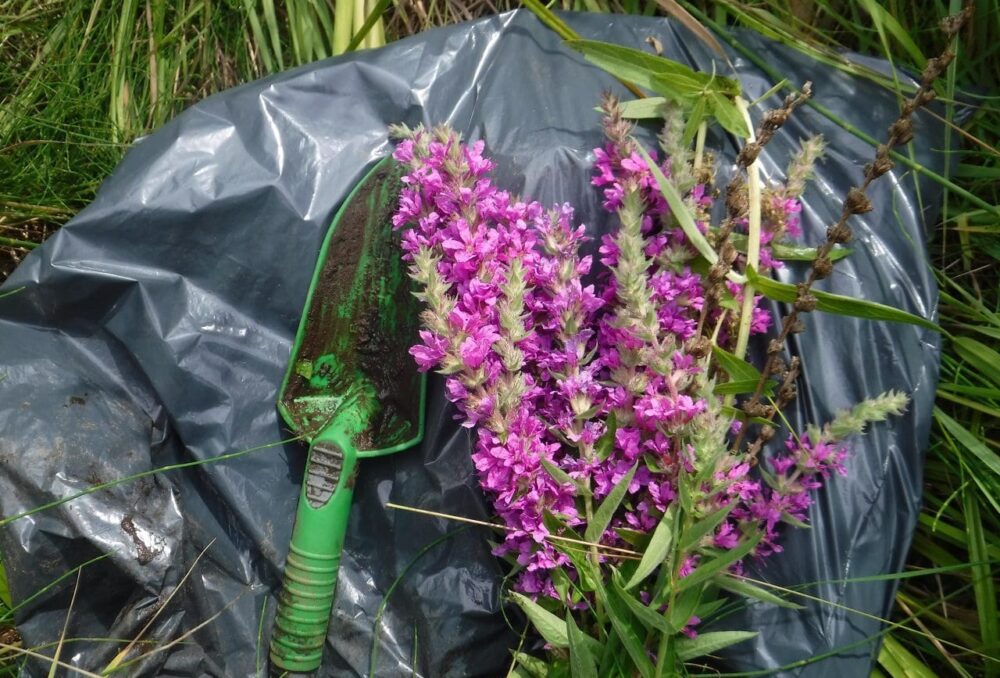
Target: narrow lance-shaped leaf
x,y
744,588
985,360
606,443
736,368
562,477
728,115
739,386
694,117
650,108
835,303
680,211
659,74
709,569
658,548
682,609
581,659
706,643
788,251
969,441
551,627
647,616
706,525
602,517
621,621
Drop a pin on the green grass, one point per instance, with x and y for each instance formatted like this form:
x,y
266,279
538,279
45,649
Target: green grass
x,y
80,80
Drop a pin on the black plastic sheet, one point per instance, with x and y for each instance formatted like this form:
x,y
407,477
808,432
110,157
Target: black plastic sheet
x,y
154,330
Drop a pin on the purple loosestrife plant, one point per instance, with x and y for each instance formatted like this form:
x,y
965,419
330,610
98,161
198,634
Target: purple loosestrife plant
x,y
600,397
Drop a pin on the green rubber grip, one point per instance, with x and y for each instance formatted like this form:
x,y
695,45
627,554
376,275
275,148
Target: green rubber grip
x,y
310,579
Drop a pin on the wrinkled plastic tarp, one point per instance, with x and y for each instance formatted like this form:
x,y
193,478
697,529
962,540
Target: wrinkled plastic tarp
x,y
154,330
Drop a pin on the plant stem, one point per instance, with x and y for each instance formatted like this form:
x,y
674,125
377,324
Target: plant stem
x,y
699,146
753,238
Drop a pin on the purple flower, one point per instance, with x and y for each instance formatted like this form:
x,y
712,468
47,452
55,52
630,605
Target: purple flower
x,y
539,351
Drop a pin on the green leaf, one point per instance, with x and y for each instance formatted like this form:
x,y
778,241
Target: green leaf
x,y
736,413
532,666
835,303
706,643
551,627
634,537
694,118
581,660
706,525
900,662
682,610
969,441
707,608
606,443
983,582
742,587
981,357
635,66
742,386
737,368
789,519
790,252
787,252
712,567
623,624
658,548
581,563
679,209
643,109
562,477
661,75
883,19
725,111
5,600
647,616
604,513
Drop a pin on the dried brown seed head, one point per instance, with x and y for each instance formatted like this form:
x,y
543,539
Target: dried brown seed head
x,y
729,253
901,131
766,432
857,202
839,233
795,325
925,96
805,303
823,267
787,392
748,154
737,201
700,347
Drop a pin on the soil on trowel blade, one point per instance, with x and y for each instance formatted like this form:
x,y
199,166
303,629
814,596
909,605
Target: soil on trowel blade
x,y
376,336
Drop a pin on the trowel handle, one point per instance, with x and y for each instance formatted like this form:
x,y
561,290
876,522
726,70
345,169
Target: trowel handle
x,y
310,580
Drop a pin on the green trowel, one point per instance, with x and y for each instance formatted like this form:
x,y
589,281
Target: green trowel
x,y
352,391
